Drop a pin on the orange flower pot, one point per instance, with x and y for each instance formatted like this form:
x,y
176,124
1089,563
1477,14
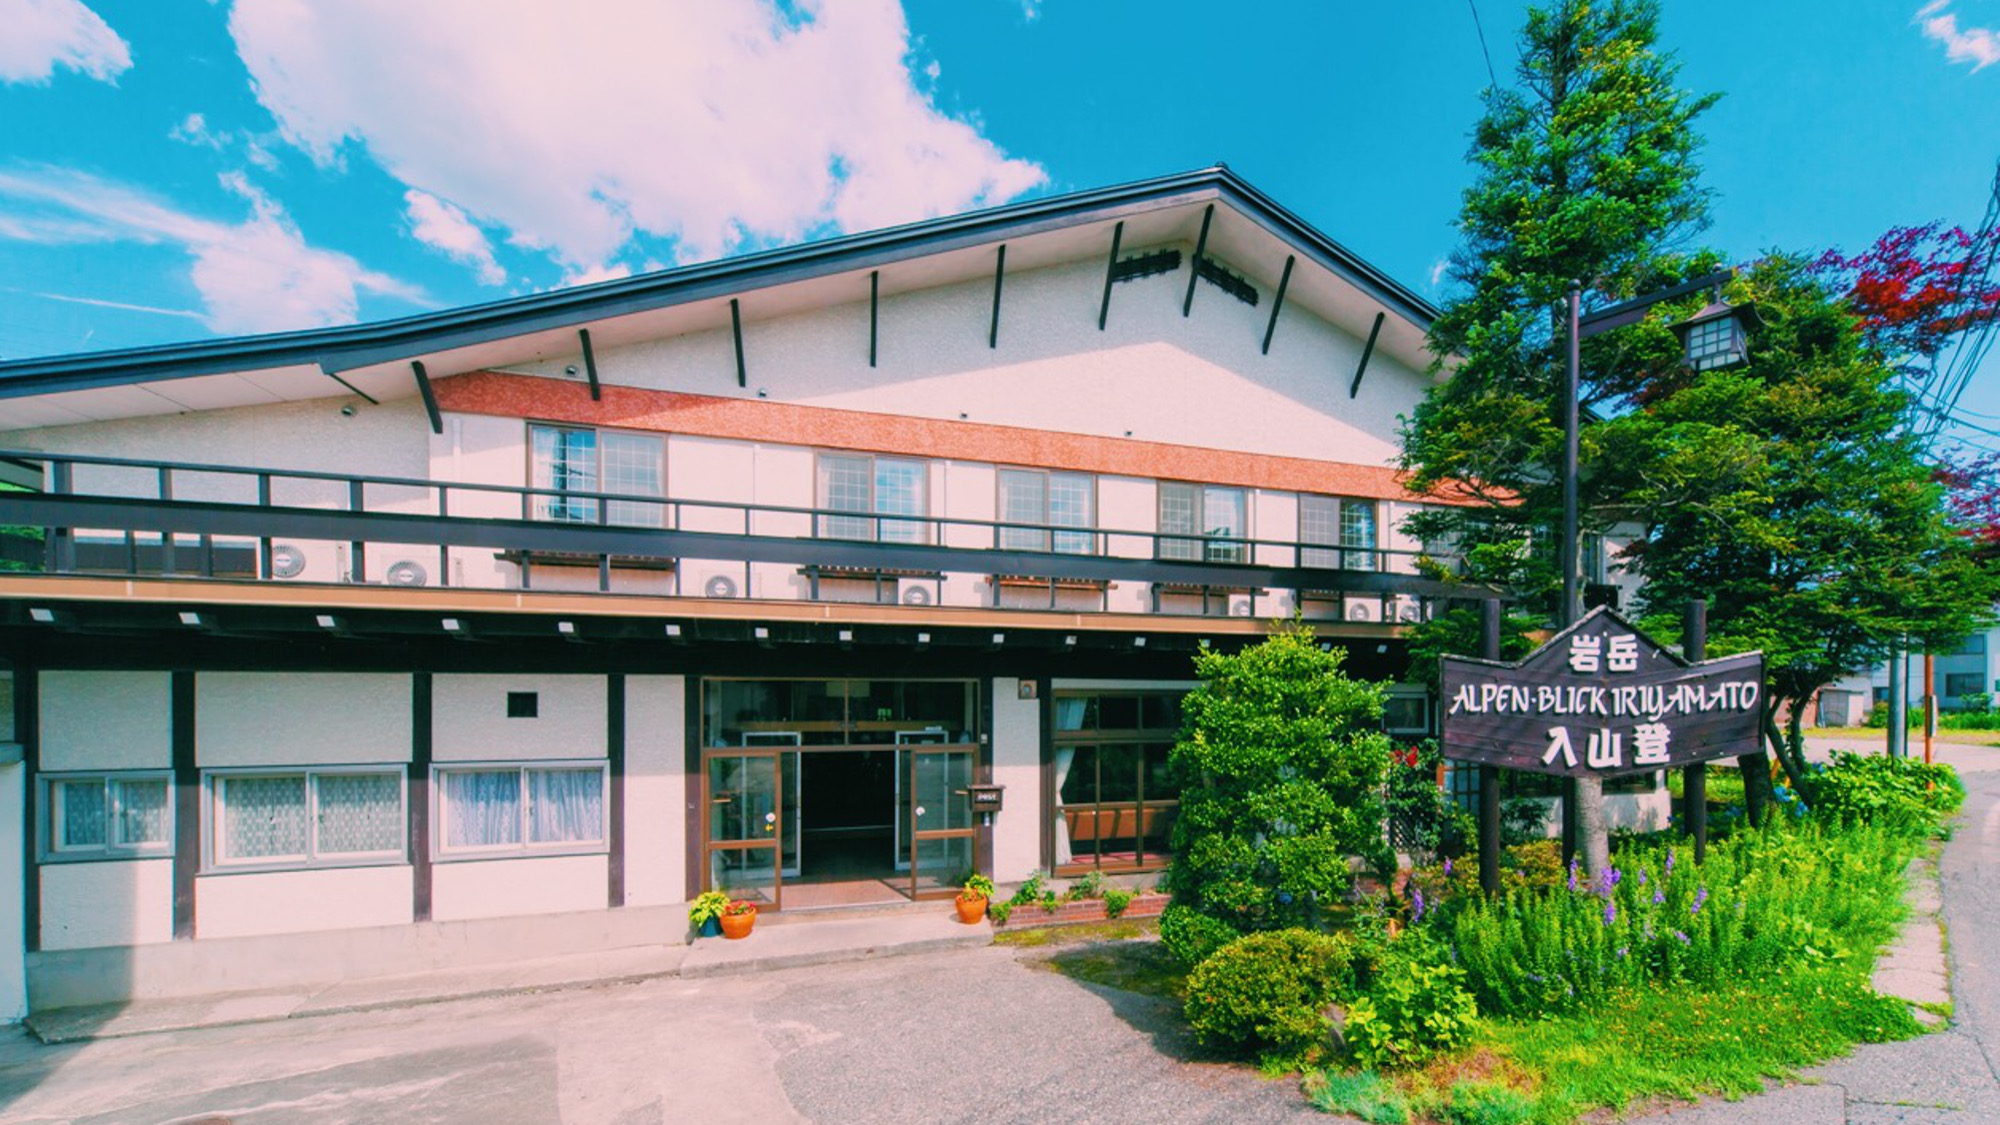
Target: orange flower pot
x,y
970,910
737,926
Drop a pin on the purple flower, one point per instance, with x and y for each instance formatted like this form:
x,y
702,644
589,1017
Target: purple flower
x,y
1622,951
1642,876
1447,867
1572,875
1659,896
1700,896
1681,937
1417,914
1670,861
1607,879
1610,911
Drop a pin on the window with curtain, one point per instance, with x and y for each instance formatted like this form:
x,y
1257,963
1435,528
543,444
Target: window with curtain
x,y
1329,522
1058,499
530,809
307,818
1216,519
569,459
871,487
108,816
1357,529
1115,795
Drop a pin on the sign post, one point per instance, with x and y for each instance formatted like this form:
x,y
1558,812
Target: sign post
x,y
1600,699
1694,779
1489,776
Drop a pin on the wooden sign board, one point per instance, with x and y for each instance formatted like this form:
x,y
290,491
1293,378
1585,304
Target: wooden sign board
x,y
1600,698
985,798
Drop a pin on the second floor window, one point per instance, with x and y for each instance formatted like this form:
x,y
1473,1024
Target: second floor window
x,y
1059,499
566,459
873,487
1216,520
1326,522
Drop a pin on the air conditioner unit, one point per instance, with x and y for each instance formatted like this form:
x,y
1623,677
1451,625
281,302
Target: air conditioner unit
x,y
1364,609
287,561
1408,609
719,586
917,591
406,572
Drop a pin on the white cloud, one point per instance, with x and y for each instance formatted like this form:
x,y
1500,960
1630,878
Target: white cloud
x,y
1979,46
42,35
717,124
594,274
438,224
256,275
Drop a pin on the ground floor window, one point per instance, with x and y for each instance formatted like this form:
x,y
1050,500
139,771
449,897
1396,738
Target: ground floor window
x,y
492,809
1115,796
109,816
306,818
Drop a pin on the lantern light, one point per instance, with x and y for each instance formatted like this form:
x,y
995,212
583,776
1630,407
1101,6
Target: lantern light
x,y
1716,337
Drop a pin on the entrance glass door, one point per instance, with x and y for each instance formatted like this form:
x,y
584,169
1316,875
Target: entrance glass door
x,y
939,813
745,814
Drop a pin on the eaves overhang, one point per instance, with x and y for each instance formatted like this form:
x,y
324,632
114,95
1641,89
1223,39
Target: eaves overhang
x,y
352,347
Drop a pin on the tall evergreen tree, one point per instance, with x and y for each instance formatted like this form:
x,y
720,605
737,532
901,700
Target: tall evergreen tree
x,y
1587,173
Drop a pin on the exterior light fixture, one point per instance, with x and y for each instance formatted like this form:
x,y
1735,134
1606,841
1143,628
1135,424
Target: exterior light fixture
x,y
761,633
194,620
1716,337
1069,641
847,636
454,625
999,639
327,621
566,628
1138,642
673,632
42,616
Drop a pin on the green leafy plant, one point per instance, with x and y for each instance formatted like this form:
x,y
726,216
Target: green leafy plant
x,y
1191,935
706,907
977,886
1116,899
999,912
1280,761
1088,885
1267,993
1030,889
737,908
1416,1007
1899,793
1363,1094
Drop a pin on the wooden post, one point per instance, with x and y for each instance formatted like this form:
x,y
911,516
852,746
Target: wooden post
x,y
1930,703
1694,780
1489,776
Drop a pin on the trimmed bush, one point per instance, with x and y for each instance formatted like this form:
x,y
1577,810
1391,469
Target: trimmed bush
x,y
1191,935
1267,993
1896,793
1417,1007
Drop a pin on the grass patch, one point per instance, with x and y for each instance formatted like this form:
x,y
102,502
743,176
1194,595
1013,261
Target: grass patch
x,y
1944,734
1034,937
1144,967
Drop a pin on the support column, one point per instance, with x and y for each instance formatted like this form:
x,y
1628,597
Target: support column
x,y
187,803
1489,776
614,754
420,796
1694,779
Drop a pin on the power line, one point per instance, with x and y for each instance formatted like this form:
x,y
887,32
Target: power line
x,y
1492,79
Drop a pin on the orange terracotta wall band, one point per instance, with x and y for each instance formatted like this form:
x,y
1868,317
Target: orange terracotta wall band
x,y
634,408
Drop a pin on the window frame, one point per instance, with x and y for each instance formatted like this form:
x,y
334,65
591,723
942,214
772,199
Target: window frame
x,y
825,513
1232,550
214,790
441,852
554,496
1978,684
1097,738
1050,539
49,846
1422,699
1342,554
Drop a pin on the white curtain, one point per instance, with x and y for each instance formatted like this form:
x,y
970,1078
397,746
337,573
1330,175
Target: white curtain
x,y
1064,756
565,806
482,808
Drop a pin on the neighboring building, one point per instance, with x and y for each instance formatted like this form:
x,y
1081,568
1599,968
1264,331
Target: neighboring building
x,y
505,630
1965,678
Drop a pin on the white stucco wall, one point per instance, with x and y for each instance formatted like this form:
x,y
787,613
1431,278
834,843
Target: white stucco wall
x,y
105,721
13,898
1017,764
501,887
289,902
655,789
107,902
301,718
470,722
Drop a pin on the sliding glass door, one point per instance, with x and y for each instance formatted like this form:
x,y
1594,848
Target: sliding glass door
x,y
940,819
745,815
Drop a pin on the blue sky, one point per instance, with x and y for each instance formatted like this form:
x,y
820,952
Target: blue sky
x,y
178,170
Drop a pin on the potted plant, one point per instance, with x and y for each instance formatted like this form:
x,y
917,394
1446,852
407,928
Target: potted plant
x,y
704,912
737,918
972,899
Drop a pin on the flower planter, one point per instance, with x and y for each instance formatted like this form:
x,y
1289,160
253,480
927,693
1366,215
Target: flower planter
x,y
1077,910
710,927
735,927
970,910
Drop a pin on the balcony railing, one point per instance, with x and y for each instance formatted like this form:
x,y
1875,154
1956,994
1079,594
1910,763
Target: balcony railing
x,y
129,517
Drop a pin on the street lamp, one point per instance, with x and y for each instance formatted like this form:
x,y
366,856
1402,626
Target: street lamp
x,y
1715,337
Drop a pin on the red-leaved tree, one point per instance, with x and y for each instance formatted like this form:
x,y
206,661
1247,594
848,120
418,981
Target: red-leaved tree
x,y
1919,287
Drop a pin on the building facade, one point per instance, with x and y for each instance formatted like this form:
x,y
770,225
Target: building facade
x,y
821,576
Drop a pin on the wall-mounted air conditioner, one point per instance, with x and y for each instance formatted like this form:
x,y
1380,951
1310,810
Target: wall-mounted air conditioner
x,y
917,591
1363,609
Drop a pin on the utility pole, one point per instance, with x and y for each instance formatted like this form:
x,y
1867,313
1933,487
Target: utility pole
x,y
1899,706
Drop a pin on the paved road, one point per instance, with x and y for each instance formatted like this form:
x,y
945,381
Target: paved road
x,y
1948,1078
961,1036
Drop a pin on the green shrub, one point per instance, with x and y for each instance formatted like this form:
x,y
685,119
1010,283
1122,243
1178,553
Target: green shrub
x,y
1088,885
1424,820
1741,914
1488,1103
1116,899
999,912
1897,793
1362,1094
1191,935
1416,1007
1536,865
1280,762
1267,993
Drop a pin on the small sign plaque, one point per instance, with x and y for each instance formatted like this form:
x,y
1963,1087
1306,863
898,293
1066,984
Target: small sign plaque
x,y
1600,698
985,798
